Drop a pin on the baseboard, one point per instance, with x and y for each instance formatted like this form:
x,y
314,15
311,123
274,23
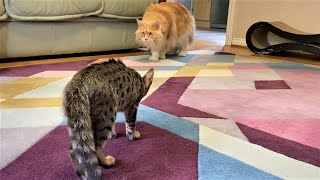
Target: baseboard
x,y
238,42
220,26
203,24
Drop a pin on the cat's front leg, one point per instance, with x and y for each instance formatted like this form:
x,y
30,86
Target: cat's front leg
x,y
155,56
131,116
163,55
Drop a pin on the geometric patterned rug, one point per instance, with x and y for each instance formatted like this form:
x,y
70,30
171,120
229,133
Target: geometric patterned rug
x,y
209,115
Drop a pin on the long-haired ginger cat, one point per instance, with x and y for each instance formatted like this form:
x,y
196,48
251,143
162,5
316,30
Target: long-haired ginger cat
x,y
166,28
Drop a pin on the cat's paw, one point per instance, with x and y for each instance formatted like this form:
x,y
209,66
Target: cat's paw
x,y
182,53
134,136
110,161
153,58
107,162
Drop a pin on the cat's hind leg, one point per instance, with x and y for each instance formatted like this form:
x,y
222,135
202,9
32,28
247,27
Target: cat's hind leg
x,y
183,44
104,129
113,130
131,116
105,161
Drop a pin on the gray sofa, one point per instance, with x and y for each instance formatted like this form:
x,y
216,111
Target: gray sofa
x,y
54,27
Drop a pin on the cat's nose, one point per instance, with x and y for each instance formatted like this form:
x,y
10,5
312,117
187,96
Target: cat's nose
x,y
146,39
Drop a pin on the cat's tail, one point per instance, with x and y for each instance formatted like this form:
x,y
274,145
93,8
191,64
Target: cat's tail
x,y
83,150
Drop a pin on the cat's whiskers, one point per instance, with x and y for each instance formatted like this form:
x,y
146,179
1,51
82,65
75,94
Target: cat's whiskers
x,y
139,46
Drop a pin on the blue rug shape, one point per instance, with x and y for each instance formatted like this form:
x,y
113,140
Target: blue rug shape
x,y
174,124
214,165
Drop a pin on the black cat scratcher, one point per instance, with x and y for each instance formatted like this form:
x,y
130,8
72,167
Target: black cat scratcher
x,y
279,39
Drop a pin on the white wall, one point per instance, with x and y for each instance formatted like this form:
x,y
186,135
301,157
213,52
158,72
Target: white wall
x,y
303,15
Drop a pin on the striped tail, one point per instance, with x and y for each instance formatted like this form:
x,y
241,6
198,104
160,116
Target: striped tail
x,y
83,150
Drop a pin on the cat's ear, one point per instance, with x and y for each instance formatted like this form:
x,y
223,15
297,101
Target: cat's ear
x,y
156,25
148,78
140,23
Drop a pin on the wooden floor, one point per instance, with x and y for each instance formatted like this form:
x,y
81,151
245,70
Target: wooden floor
x,y
205,39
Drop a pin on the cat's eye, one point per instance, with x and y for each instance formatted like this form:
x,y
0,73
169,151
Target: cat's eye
x,y
150,33
142,33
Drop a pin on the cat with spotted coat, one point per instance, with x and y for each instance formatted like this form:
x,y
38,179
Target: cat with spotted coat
x,y
91,101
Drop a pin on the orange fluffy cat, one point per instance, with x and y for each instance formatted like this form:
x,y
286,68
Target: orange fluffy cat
x,y
166,28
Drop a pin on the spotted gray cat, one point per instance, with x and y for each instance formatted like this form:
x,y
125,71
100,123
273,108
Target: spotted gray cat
x,y
91,101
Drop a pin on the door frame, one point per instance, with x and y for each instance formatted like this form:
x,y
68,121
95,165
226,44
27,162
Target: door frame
x,y
230,22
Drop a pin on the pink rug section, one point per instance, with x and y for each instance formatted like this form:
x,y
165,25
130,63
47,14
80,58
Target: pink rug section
x,y
301,79
261,105
172,89
300,102
304,132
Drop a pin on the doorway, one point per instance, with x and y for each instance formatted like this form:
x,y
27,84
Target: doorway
x,y
211,18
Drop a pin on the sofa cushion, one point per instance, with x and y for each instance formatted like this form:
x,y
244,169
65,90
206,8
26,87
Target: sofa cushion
x,y
3,14
125,9
52,9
